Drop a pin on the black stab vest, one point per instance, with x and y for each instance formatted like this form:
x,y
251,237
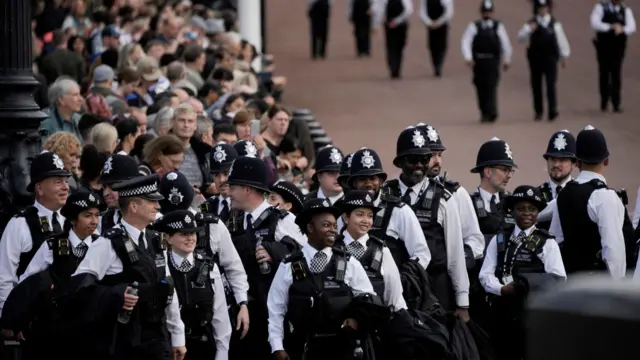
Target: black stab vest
x,y
371,261
486,44
381,223
491,223
523,258
40,229
543,43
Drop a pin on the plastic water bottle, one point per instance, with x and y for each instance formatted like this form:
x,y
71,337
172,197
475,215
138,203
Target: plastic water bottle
x,y
265,267
125,315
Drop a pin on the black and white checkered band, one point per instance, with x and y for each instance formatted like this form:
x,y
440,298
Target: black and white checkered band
x,y
81,203
277,186
176,225
138,191
358,202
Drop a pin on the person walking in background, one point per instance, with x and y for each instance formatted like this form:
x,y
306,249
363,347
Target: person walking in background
x,y
319,12
395,14
436,15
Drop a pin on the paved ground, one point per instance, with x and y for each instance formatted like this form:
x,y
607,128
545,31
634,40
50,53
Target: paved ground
x,y
359,106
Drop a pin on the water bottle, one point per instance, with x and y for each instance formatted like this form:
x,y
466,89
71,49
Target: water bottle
x,y
358,353
125,315
265,267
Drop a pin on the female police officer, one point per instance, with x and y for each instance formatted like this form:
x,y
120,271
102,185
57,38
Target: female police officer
x,y
515,264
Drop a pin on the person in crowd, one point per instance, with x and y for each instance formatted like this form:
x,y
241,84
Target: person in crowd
x,y
227,133
91,164
66,103
161,155
104,137
128,131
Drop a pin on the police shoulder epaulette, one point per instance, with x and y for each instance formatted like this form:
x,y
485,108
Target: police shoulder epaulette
x,y
311,195
283,213
451,185
446,195
599,184
341,252
94,237
386,196
377,240
114,233
544,233
152,233
29,211
393,184
210,218
293,257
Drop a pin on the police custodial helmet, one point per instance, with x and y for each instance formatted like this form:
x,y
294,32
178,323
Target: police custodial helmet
x,y
250,172
433,138
178,221
46,165
537,4
494,152
345,169
366,162
561,145
79,202
591,146
411,141
329,158
118,168
525,193
221,157
486,6
177,191
246,148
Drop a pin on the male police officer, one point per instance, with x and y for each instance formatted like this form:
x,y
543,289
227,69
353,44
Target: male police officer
x,y
359,12
319,12
395,14
345,172
547,44
28,230
438,216
117,168
436,15
328,162
613,22
220,160
485,44
589,217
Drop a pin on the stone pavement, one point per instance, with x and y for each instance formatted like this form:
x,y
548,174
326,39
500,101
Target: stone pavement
x,y
359,106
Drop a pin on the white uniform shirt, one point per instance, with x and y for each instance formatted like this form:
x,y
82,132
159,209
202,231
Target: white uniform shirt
x,y
390,274
380,10
101,259
220,320
444,18
563,43
234,272
285,227
449,219
547,213
16,239
471,32
44,256
550,256
220,199
636,212
606,210
278,300
333,199
599,26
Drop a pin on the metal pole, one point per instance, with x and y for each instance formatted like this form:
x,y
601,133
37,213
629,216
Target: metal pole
x,y
250,25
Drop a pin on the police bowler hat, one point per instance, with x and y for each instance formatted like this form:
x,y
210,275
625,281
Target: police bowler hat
x,y
411,141
46,165
591,146
314,207
525,193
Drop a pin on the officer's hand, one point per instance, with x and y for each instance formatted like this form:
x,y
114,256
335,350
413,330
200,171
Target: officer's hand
x,y
617,28
505,67
243,320
262,255
129,300
533,25
470,63
351,324
463,313
281,355
563,63
20,336
178,352
508,289
392,24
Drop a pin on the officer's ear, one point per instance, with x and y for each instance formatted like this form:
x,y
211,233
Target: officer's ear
x,y
310,227
345,218
606,162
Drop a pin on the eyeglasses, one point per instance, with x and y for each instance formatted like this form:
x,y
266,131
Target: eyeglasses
x,y
506,170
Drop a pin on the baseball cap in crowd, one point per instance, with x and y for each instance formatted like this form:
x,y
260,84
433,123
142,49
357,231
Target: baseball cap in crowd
x,y
214,26
199,22
149,68
110,31
103,73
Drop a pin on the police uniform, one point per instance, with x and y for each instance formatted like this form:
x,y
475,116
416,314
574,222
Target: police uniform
x,y
264,226
589,217
439,220
396,223
397,12
26,231
220,160
319,12
126,254
611,48
359,13
562,145
437,12
176,191
312,289
345,172
484,44
328,159
290,193
537,4
547,44
246,148
203,307
519,258
117,168
372,253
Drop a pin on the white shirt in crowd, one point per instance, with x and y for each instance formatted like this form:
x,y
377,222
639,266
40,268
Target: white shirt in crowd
x,y
599,26
471,32
380,9
285,226
563,44
547,213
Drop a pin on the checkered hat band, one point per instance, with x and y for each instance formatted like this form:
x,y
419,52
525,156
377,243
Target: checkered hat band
x,y
142,190
288,191
175,225
81,203
355,202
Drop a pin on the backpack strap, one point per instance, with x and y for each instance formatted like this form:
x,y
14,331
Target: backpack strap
x,y
122,245
298,263
377,247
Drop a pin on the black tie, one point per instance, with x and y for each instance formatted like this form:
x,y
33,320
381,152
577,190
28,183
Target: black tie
x,y
406,198
224,212
116,215
558,189
141,243
493,207
55,225
249,228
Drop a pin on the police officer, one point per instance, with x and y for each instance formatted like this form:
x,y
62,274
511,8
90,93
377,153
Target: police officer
x,y
547,45
438,216
589,217
436,15
294,293
561,159
328,162
357,214
485,44
513,267
359,12
28,229
286,196
613,22
203,307
220,160
345,172
246,148
117,168
319,12
536,5
267,236
396,223
128,253
395,14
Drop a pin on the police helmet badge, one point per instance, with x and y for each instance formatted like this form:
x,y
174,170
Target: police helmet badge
x,y
172,176
367,160
175,197
219,155
349,159
108,165
507,151
250,149
187,219
530,192
92,198
57,162
418,139
367,198
335,156
432,134
560,142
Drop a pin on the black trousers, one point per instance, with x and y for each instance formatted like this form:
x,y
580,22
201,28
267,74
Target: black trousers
x,y
479,309
255,345
508,335
547,69
610,75
486,76
437,40
362,33
395,41
319,20
442,288
201,347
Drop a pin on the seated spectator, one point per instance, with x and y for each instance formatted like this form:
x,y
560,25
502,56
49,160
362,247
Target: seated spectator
x,y
162,122
225,133
277,123
129,57
195,59
104,137
161,155
242,124
103,77
62,61
128,82
66,103
209,93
